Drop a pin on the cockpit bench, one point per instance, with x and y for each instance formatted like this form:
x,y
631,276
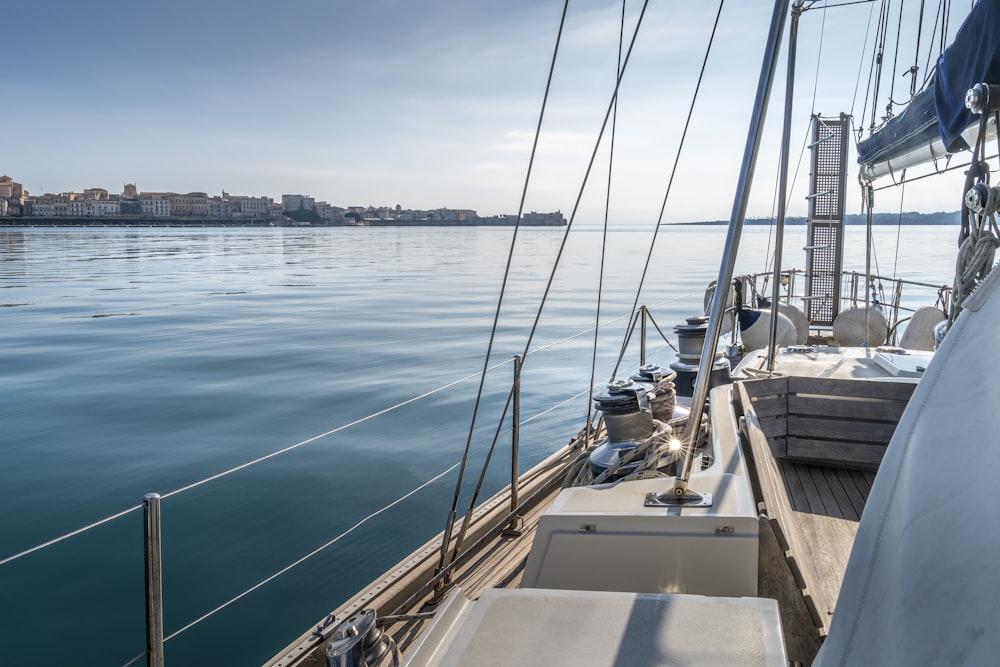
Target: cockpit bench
x,y
814,446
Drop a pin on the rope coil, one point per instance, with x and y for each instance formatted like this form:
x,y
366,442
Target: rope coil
x,y
977,252
979,237
653,455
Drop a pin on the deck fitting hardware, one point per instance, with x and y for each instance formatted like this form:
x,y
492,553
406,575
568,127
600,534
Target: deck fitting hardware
x,y
689,499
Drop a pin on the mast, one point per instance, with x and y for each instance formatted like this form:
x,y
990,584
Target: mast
x,y
680,494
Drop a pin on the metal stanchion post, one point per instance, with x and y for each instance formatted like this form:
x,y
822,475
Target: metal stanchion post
x,y
512,529
154,581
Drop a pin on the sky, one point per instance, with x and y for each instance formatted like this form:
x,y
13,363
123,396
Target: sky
x,y
423,103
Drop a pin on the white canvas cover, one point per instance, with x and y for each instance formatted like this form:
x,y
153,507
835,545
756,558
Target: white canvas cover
x,y
922,585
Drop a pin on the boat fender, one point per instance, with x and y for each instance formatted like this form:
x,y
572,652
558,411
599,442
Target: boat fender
x,y
755,329
797,317
919,332
849,327
799,321
755,324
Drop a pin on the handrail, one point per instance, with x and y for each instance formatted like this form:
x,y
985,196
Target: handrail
x,y
891,296
851,275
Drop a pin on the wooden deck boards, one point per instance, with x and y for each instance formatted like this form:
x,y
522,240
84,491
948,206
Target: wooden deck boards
x,y
828,518
825,490
814,508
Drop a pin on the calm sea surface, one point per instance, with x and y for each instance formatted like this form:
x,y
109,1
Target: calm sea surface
x,y
145,360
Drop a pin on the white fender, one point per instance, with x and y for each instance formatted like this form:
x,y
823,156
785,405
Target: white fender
x,y
755,336
798,319
849,327
919,331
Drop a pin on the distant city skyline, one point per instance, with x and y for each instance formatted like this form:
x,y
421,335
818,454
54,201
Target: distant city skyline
x,y
426,103
133,204
125,187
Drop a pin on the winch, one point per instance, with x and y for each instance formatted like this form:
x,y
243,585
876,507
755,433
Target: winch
x,y
690,341
628,420
665,395
688,373
691,338
358,642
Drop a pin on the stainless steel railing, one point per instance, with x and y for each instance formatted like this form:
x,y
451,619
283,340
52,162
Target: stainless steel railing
x,y
898,297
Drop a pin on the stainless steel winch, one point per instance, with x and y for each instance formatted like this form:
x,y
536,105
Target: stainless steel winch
x,y
628,420
359,642
690,341
664,395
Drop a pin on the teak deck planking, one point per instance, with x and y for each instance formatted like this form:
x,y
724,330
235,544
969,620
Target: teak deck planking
x,y
815,445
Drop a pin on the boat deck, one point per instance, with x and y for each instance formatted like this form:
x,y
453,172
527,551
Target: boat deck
x,y
826,491
847,363
815,445
826,503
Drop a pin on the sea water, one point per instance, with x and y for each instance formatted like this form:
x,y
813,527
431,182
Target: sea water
x,y
137,360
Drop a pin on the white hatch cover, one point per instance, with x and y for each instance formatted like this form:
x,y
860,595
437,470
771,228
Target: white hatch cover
x,y
570,628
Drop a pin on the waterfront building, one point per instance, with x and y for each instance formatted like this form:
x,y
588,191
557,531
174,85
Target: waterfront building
x,y
330,214
42,207
154,205
218,207
78,207
242,206
13,194
105,208
50,205
193,204
297,203
90,208
461,215
534,218
129,201
96,194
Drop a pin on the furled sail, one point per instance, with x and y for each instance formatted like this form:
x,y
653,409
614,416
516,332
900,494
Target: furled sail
x,y
920,586
936,122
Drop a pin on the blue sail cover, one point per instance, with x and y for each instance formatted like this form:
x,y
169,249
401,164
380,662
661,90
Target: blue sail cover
x,y
938,111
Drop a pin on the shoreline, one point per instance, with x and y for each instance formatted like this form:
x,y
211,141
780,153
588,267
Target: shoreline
x,y
878,219
40,221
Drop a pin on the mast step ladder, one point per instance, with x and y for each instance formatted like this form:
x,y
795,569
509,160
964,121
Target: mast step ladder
x,y
825,246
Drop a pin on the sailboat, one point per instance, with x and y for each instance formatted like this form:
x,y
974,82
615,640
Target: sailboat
x,y
823,497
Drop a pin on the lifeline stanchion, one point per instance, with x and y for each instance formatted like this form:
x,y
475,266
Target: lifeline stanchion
x,y
154,581
515,446
642,348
